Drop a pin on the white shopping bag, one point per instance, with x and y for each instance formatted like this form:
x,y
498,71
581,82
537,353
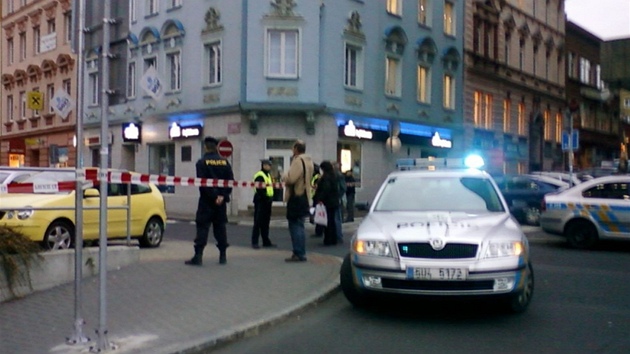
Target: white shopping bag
x,y
321,217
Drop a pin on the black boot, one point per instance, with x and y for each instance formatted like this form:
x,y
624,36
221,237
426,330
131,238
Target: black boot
x,y
222,257
196,260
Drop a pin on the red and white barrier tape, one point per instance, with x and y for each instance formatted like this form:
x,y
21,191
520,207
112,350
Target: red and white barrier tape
x,y
92,175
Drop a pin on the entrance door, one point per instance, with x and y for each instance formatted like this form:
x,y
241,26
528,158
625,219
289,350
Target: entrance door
x,y
280,162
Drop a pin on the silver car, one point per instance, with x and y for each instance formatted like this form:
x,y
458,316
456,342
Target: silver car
x,y
440,233
593,210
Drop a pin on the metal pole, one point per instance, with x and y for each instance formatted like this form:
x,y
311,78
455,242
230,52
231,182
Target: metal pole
x,y
78,42
103,343
570,148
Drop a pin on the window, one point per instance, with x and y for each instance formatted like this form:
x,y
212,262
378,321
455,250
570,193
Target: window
x,y
626,102
213,63
506,48
547,124
131,80
424,84
449,18
67,86
608,191
282,57
35,111
571,64
152,7
558,134
482,110
175,3
22,105
350,159
507,115
67,26
150,62
162,162
10,108
585,71
132,11
52,26
393,73
449,91
22,46
353,66
10,50
175,70
424,13
598,77
36,39
521,119
535,59
10,8
50,93
94,94
521,54
394,7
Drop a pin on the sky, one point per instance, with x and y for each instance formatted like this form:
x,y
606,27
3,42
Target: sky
x,y
607,19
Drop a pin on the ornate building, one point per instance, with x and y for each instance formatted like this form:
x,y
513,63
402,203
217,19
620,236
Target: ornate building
x,y
37,66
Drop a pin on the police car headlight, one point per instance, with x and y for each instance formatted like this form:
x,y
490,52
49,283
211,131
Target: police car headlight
x,y
24,214
372,248
504,249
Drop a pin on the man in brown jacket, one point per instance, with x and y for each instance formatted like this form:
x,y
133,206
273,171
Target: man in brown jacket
x,y
297,183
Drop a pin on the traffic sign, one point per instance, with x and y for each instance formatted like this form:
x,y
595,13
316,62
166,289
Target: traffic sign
x,y
570,143
35,100
225,148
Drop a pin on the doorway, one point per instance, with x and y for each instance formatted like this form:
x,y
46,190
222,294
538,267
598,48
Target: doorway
x,y
280,162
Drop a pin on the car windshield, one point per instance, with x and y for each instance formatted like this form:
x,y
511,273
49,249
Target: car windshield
x,y
465,194
3,177
50,176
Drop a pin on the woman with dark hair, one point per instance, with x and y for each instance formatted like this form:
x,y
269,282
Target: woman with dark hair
x,y
327,193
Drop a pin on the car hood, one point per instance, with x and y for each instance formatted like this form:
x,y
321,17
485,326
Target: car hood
x,y
22,200
451,226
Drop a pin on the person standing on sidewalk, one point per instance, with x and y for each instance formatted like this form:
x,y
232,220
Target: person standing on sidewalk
x,y
328,194
341,181
319,229
263,200
298,190
211,208
350,193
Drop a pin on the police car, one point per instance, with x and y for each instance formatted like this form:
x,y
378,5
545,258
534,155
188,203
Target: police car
x,y
440,232
592,210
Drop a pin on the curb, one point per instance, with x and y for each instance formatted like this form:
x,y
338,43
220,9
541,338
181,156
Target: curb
x,y
252,328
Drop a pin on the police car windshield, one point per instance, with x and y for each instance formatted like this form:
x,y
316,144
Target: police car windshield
x,y
465,194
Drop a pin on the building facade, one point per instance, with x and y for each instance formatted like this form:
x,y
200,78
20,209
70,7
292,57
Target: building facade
x,y
514,95
361,82
595,117
37,70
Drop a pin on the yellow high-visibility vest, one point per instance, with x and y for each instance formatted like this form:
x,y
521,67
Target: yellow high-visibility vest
x,y
314,182
267,180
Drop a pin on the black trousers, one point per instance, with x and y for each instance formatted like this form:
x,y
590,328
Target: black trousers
x,y
215,215
330,232
262,217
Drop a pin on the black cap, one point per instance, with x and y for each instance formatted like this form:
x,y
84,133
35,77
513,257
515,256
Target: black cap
x,y
210,140
265,162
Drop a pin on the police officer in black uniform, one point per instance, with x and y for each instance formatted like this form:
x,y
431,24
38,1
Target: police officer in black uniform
x,y
211,208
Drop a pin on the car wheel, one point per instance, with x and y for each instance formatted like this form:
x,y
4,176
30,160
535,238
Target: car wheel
x,y
59,235
532,216
153,233
354,295
519,302
581,234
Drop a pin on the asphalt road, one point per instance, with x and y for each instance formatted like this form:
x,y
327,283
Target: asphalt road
x,y
580,306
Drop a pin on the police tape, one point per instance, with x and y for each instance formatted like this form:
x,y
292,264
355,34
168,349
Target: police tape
x,y
93,176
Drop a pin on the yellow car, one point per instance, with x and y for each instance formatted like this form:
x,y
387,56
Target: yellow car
x,y
49,218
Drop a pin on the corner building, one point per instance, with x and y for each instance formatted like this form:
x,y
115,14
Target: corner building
x,y
361,82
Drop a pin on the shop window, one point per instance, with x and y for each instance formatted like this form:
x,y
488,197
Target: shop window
x,y
162,162
349,155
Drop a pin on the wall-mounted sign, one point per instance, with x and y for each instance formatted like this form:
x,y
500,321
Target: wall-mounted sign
x,y
48,42
132,132
350,130
177,131
437,141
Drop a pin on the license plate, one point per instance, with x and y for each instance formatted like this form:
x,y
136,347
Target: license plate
x,y
438,273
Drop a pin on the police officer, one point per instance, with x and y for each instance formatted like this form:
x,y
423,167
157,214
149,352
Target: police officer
x,y
211,208
263,200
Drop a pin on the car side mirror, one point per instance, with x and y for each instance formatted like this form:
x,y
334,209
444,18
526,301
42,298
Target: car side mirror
x,y
91,193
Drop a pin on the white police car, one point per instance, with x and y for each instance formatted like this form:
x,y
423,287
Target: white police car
x,y
592,210
439,232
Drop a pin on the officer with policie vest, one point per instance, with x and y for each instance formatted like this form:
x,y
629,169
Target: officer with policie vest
x,y
212,208
263,200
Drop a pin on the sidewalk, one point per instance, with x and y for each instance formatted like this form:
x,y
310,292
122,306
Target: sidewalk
x,y
159,305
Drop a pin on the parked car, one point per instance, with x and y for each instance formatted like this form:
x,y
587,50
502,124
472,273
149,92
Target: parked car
x,y
593,210
569,178
35,216
439,233
524,195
